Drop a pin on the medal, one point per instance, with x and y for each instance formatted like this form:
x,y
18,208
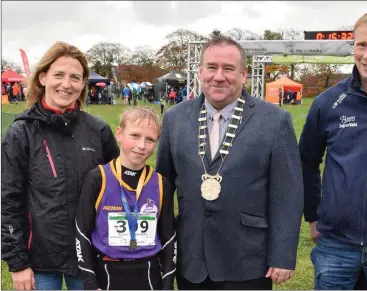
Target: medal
x,y
133,244
132,218
210,188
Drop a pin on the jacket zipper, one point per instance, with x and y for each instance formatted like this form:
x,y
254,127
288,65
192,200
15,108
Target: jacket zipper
x,y
30,231
50,158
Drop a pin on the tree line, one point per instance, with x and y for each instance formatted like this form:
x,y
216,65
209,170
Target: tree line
x,y
172,55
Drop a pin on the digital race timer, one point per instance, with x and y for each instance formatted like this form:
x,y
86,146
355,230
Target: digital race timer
x,y
328,35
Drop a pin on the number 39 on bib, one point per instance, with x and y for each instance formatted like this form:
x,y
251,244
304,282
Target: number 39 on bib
x,y
119,233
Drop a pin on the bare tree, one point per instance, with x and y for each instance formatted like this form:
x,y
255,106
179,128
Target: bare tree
x,y
291,34
240,34
325,71
143,56
318,77
102,56
346,27
120,53
7,64
173,55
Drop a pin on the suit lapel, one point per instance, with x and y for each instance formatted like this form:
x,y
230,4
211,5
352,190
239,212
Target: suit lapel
x,y
194,123
248,111
193,115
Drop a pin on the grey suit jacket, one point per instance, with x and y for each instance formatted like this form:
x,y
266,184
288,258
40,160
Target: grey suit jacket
x,y
255,222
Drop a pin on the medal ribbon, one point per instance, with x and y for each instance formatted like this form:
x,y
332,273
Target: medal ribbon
x,y
132,219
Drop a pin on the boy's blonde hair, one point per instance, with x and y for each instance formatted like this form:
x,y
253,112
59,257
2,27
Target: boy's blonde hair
x,y
362,19
139,114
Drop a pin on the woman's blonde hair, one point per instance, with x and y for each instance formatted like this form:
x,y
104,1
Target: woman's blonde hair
x,y
138,114
35,90
362,19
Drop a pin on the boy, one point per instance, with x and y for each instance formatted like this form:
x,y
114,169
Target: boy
x,y
125,222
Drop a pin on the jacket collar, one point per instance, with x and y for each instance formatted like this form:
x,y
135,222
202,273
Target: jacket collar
x,y
44,104
355,85
59,122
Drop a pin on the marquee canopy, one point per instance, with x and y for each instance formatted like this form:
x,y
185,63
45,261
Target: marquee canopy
x,y
283,83
95,78
10,76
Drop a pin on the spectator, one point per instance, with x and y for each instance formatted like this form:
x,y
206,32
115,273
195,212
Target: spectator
x,y
3,89
46,153
15,92
172,96
336,209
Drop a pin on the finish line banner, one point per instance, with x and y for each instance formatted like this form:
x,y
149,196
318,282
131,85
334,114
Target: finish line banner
x,y
339,48
278,60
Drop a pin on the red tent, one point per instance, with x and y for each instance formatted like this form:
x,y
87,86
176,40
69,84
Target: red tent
x,y
10,76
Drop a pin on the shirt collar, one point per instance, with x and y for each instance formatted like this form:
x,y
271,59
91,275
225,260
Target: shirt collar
x,y
226,112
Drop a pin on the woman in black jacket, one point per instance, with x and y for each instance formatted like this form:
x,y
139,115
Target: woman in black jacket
x,y
46,153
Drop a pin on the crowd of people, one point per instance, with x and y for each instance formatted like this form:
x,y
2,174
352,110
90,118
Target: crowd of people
x,y
176,94
99,95
81,205
288,97
129,94
14,90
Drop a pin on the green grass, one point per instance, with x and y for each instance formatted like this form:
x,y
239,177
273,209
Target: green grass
x,y
303,279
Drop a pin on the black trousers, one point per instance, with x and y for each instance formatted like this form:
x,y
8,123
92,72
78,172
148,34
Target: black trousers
x,y
139,274
208,284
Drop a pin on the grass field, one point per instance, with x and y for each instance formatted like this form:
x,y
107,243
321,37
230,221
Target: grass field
x,y
303,279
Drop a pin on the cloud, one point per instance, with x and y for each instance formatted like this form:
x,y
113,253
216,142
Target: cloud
x,y
35,25
18,15
173,12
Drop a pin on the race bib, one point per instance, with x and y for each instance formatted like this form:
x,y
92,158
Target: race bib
x,y
119,233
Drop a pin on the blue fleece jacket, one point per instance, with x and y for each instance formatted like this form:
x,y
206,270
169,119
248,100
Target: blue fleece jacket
x,y
337,124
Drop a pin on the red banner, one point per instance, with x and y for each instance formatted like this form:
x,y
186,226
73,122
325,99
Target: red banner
x,y
25,62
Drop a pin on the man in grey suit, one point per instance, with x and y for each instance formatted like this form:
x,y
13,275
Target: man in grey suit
x,y
235,163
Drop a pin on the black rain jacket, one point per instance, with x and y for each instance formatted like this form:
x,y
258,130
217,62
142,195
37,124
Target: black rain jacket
x,y
44,159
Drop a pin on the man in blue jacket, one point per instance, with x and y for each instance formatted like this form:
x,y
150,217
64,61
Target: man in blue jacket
x,y
337,120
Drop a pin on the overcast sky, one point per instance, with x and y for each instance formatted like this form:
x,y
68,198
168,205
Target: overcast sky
x,y
35,25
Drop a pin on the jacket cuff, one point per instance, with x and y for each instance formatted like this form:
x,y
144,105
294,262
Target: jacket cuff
x,y
311,217
90,285
18,263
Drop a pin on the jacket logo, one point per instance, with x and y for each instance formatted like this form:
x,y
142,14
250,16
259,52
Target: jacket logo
x,y
339,101
79,251
88,149
113,208
149,207
130,173
347,121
